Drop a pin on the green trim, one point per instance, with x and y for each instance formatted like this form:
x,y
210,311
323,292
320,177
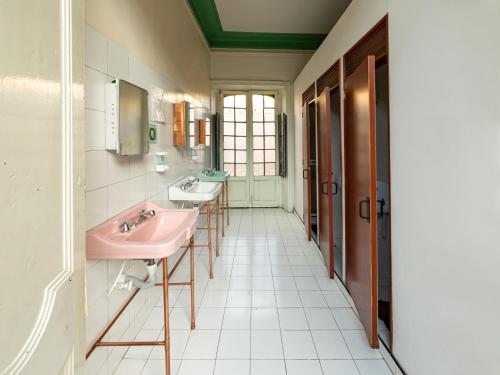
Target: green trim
x,y
207,16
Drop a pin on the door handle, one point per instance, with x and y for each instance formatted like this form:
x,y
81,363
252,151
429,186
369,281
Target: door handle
x,y
304,173
381,204
336,191
362,203
323,185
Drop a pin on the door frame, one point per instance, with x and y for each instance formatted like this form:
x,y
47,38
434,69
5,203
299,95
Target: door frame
x,y
250,178
54,339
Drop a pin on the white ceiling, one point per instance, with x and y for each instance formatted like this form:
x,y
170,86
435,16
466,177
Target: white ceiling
x,y
280,16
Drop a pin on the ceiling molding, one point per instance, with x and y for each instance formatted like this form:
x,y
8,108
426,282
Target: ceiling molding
x,y
205,12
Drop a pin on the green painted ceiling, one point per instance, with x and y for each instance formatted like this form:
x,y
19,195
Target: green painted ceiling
x,y
207,16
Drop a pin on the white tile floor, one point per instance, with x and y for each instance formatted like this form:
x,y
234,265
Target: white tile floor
x,y
270,309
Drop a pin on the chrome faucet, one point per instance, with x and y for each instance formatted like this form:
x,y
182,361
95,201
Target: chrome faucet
x,y
187,185
127,225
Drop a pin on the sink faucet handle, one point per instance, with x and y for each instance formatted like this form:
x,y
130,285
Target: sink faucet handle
x,y
125,227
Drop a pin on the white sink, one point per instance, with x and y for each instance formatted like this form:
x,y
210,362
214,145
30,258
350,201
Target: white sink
x,y
199,191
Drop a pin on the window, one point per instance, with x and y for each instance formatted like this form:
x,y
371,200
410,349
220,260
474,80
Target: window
x,y
191,128
207,131
235,135
264,135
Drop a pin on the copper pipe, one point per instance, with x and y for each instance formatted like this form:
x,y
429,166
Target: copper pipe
x,y
191,267
210,240
223,225
166,317
124,306
217,226
227,201
130,343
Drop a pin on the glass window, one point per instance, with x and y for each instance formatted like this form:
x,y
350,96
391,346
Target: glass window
x,y
264,135
235,131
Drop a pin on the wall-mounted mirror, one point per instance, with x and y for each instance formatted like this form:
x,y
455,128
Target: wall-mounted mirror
x,y
127,129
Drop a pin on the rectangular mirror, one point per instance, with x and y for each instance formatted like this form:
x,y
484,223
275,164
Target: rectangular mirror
x,y
133,127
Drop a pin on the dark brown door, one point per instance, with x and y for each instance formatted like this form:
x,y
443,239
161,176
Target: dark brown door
x,y
361,210
325,221
306,171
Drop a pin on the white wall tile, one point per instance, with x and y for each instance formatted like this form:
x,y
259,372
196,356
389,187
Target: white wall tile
x,y
126,194
96,207
95,130
96,52
118,168
95,82
118,66
95,169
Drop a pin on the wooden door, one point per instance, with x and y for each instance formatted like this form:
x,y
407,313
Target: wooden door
x,y
361,211
325,222
306,169
42,322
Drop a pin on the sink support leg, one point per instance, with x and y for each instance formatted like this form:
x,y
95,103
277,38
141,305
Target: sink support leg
x,y
227,201
166,317
209,231
223,204
217,218
191,267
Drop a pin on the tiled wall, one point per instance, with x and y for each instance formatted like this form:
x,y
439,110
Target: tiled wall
x,y
115,183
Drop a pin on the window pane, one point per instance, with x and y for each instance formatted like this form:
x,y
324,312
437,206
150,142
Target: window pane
x,y
207,140
241,115
241,143
229,143
191,142
258,115
229,101
191,128
258,128
228,128
270,128
257,102
258,169
270,143
241,128
228,114
270,169
258,142
240,101
229,168
270,156
241,156
228,156
241,170
269,114
258,156
268,101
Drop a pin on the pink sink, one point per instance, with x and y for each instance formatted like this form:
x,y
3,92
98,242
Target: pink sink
x,y
157,237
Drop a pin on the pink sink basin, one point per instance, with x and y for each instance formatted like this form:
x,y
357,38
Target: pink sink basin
x,y
156,237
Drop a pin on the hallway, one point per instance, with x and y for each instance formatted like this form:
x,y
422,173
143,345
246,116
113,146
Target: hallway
x,y
270,310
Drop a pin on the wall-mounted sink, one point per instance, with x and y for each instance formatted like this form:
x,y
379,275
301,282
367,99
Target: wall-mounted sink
x,y
155,237
192,190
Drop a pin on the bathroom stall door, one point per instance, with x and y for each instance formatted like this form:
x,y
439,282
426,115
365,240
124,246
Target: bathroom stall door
x,y
306,169
41,191
361,194
325,203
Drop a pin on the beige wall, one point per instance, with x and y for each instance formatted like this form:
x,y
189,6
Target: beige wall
x,y
257,66
445,171
162,34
